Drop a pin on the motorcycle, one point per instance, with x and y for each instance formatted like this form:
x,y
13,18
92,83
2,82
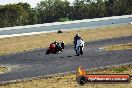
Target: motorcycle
x,y
53,49
79,50
79,47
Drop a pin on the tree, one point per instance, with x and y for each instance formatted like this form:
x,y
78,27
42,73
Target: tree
x,y
32,19
62,9
45,11
79,9
101,8
58,10
53,10
12,15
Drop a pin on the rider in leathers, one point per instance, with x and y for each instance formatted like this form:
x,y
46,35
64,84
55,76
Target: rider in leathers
x,y
75,40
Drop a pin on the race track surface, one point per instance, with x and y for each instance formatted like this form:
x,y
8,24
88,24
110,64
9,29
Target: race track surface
x,y
36,63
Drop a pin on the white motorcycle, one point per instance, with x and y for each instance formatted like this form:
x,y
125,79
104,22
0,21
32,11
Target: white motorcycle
x,y
79,47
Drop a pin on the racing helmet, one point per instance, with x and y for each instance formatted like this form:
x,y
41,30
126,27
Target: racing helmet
x,y
62,42
77,35
55,41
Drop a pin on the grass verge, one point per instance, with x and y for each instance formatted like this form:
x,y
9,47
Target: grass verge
x,y
118,47
69,80
24,43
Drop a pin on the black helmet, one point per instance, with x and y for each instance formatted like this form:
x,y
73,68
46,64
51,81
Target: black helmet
x,y
55,42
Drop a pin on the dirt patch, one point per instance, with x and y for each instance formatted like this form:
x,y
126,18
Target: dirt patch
x,y
3,69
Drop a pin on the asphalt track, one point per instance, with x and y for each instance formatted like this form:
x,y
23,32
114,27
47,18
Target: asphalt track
x,y
36,63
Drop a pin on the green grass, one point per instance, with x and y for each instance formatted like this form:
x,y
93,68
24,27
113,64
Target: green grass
x,y
119,70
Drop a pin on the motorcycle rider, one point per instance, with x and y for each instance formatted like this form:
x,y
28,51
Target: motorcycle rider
x,y
80,42
57,46
55,42
77,36
79,47
62,45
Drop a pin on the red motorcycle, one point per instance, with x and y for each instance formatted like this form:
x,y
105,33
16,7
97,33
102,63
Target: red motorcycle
x,y
54,48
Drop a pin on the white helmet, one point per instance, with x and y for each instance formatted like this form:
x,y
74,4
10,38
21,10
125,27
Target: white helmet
x,y
77,34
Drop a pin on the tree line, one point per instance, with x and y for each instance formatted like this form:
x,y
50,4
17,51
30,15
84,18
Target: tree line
x,y
57,10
